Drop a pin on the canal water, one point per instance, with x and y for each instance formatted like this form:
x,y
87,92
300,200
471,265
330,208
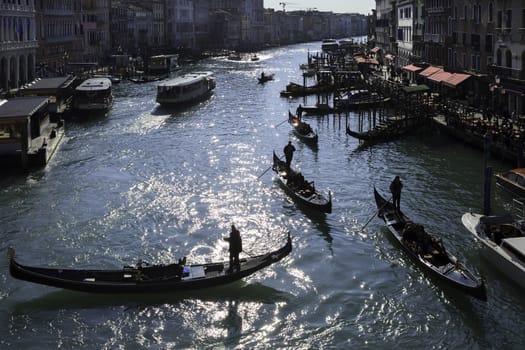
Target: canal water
x,y
157,184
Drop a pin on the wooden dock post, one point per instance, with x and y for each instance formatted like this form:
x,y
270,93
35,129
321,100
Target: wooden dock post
x,y
486,190
487,174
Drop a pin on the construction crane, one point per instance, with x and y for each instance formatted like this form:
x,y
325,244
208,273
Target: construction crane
x,y
283,4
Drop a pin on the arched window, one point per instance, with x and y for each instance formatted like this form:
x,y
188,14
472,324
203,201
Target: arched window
x,y
508,59
498,57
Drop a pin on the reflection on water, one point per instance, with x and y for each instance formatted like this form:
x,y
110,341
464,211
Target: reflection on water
x,y
157,184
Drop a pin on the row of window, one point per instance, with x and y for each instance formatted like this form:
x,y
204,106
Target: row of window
x,y
503,19
503,59
60,29
15,29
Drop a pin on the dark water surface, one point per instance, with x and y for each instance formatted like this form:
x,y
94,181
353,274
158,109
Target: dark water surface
x,y
152,183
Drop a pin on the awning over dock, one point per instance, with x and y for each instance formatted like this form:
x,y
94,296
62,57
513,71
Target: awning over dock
x,y
430,70
440,76
366,60
50,83
21,107
456,79
416,88
412,68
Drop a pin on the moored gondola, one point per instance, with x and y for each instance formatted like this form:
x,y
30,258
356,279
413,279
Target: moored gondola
x,y
175,277
304,193
301,129
427,251
391,130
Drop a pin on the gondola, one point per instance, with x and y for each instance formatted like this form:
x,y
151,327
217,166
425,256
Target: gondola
x,y
263,78
391,130
146,279
308,197
301,129
296,90
374,135
428,251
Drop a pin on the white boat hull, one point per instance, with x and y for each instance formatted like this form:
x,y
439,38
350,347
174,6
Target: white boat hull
x,y
499,257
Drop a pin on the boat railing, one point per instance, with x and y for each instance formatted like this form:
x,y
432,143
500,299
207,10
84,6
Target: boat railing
x,y
518,208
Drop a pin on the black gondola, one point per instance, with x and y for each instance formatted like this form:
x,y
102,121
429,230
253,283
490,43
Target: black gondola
x,y
146,279
428,251
301,129
392,130
263,78
308,195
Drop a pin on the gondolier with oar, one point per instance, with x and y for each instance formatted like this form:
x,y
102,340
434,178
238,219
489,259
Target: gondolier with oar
x,y
235,247
288,150
395,187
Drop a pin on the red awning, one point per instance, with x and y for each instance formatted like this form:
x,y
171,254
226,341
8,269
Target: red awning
x,y
456,79
439,76
412,68
375,49
366,60
430,70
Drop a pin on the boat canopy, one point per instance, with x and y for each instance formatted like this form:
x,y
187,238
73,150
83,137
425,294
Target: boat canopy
x,y
517,246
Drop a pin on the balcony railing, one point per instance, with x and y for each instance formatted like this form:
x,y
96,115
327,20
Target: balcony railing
x,y
16,7
18,45
434,10
506,72
435,38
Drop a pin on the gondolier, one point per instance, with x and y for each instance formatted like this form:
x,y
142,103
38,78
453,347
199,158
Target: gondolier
x,y
395,187
235,247
288,150
157,278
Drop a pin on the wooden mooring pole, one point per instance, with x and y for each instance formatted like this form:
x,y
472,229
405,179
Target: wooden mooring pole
x,y
487,174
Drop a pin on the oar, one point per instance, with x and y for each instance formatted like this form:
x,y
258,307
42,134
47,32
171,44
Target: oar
x,y
284,121
264,172
375,213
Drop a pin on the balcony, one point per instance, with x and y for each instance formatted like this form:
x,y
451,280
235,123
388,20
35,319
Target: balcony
x,y
506,72
435,38
435,10
18,45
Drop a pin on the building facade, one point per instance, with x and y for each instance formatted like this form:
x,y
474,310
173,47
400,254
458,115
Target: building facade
x,y
96,29
18,43
59,34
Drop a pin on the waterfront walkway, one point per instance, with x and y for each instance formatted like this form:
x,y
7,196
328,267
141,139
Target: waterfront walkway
x,y
481,127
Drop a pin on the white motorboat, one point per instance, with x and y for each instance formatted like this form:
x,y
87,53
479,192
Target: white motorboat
x,y
503,242
186,88
93,94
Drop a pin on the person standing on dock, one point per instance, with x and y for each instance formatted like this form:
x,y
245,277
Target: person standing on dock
x,y
395,187
288,150
235,248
